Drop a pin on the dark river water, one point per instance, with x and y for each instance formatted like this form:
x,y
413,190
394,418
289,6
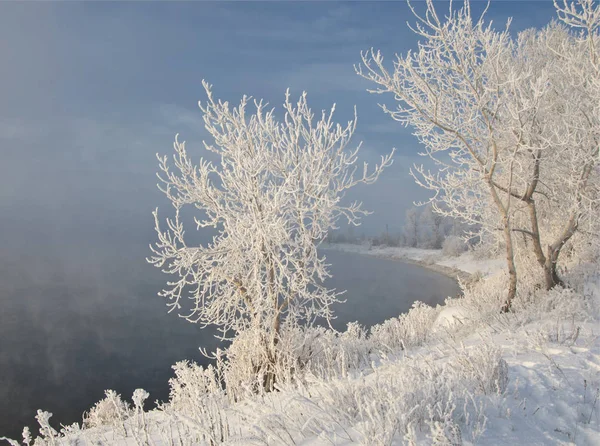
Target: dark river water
x,y
71,328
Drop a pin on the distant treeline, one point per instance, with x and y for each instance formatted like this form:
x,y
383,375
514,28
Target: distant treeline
x,y
423,228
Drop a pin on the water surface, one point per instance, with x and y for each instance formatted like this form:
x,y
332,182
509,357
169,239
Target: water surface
x,y
77,318
378,288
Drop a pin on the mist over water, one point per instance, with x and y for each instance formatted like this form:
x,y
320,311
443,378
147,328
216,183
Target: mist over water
x,y
78,317
79,311
81,315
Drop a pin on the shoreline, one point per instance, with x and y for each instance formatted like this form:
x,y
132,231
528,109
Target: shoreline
x,y
447,271
431,263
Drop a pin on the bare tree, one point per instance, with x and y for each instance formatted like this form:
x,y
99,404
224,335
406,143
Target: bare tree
x,y
273,197
431,222
411,227
555,114
448,91
512,124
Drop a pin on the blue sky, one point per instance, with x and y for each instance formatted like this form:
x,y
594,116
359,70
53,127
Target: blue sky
x,y
91,91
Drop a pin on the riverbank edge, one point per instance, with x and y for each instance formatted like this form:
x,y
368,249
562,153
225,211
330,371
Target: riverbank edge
x,y
433,257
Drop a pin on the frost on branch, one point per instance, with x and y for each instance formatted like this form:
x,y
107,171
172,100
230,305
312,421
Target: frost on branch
x,y
111,410
272,198
512,124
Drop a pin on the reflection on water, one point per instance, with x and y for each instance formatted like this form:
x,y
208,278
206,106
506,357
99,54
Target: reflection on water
x,y
77,319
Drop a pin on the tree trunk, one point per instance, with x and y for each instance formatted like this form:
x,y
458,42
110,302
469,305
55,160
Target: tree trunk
x,y
535,233
270,375
510,255
550,274
549,260
512,270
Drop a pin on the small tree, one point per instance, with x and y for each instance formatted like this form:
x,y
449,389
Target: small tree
x,y
272,198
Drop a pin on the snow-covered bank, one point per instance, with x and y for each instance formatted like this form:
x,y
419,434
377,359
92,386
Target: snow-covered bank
x,y
462,266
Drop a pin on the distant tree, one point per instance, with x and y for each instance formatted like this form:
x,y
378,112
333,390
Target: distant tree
x,y
513,124
411,227
386,239
272,198
432,228
454,246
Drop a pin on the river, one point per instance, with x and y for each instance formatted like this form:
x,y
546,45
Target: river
x,y
72,328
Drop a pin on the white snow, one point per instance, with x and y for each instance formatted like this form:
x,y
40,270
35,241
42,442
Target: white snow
x,y
466,262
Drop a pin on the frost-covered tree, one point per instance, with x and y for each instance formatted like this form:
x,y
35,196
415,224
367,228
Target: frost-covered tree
x,y
432,228
554,111
512,124
446,91
275,193
411,227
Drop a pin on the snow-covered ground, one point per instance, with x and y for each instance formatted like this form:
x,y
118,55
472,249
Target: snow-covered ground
x,y
461,373
466,262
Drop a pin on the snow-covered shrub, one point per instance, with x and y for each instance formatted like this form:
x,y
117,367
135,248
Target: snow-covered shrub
x,y
445,432
559,315
300,351
250,360
584,278
407,330
139,397
244,365
558,302
429,260
197,393
483,298
111,410
482,368
355,345
450,318
47,432
440,397
486,250
192,384
454,246
26,435
562,308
